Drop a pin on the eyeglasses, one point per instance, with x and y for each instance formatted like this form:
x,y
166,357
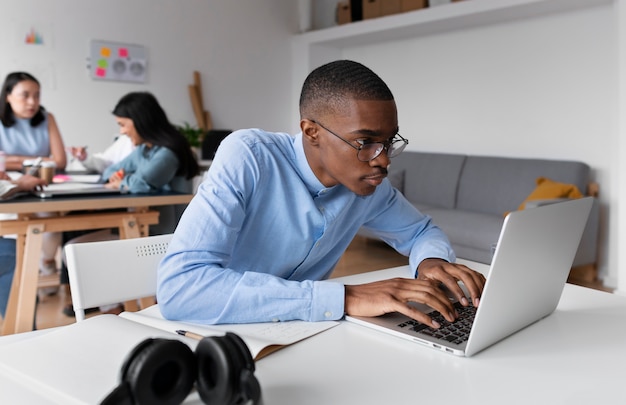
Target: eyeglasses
x,y
367,151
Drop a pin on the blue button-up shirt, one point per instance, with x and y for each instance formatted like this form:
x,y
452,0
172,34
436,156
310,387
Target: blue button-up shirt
x,y
262,235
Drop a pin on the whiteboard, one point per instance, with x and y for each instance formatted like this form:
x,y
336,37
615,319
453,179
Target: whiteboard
x,y
117,61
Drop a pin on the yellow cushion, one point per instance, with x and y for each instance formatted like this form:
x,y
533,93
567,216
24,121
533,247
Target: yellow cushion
x,y
547,189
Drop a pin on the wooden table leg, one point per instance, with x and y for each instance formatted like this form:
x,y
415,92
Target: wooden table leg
x,y
20,315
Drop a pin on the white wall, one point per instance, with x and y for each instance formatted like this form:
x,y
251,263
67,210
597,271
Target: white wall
x,y
544,86
240,47
539,87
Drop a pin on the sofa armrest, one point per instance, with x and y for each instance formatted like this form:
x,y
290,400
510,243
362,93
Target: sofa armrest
x,y
593,189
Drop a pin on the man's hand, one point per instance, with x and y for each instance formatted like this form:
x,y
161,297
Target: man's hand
x,y
449,274
393,295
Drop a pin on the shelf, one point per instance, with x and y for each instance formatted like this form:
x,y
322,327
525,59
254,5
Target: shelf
x,y
438,19
314,48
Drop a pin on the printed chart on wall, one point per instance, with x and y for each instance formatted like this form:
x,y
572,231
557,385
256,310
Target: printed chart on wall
x,y
118,62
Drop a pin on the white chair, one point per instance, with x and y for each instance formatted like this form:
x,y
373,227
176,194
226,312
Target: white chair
x,y
114,271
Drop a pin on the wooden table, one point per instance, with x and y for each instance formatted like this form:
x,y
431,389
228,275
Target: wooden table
x,y
94,212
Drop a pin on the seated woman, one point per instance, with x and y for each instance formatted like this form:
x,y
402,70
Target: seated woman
x,y
161,161
29,131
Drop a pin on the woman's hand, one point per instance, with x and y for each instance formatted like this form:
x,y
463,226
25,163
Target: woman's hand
x,y
115,181
79,152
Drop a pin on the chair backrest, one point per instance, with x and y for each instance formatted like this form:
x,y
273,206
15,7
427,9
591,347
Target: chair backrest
x,y
115,271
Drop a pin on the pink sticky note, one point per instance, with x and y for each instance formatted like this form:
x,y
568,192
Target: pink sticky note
x,y
123,52
101,72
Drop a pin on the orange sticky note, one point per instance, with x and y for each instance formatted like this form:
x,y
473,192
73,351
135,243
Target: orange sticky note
x,y
105,52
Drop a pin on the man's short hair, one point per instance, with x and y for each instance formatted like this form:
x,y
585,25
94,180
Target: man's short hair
x,y
328,87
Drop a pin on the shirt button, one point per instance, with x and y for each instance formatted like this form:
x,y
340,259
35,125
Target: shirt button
x,y
328,314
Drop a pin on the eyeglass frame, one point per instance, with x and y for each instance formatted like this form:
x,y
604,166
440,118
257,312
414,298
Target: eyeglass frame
x,y
385,145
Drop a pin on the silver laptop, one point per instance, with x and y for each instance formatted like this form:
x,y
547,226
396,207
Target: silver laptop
x,y
532,260
73,189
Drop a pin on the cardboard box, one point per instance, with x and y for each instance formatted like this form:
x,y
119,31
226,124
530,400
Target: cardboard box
x,y
371,9
409,5
388,7
344,14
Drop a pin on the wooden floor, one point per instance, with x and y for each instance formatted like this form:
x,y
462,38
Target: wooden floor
x,y
361,256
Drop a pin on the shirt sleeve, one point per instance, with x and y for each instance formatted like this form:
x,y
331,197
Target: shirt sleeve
x,y
116,152
407,230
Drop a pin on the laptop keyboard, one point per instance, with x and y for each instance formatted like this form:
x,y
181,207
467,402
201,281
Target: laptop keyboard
x,y
455,332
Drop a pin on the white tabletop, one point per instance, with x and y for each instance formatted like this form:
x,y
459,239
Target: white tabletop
x,y
574,356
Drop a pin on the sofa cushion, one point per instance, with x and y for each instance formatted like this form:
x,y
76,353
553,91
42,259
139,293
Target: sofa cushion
x,y
549,189
466,228
496,185
429,178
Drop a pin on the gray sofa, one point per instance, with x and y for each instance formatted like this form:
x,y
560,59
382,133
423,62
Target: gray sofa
x,y
468,196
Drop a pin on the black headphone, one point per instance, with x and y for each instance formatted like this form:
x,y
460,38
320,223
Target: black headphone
x,y
163,372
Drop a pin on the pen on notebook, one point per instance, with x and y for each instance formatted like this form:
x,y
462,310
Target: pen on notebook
x,y
190,334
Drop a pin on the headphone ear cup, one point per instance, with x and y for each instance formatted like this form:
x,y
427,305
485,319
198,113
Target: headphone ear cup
x,y
249,387
215,371
160,372
225,370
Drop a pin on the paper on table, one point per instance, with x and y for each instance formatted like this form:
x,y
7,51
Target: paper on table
x,y
261,338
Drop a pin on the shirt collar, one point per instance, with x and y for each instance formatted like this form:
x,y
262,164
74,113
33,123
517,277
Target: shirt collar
x,y
312,182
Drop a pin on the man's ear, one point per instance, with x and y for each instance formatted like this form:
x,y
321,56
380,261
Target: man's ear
x,y
309,131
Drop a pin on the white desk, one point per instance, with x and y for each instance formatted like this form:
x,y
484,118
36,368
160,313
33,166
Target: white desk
x,y
575,356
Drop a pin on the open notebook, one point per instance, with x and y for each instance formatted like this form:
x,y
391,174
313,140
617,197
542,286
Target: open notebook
x,y
529,269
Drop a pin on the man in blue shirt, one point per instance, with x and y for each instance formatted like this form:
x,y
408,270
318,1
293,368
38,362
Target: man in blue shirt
x,y
276,212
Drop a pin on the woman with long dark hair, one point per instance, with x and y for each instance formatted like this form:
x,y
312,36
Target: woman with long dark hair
x,y
161,161
162,152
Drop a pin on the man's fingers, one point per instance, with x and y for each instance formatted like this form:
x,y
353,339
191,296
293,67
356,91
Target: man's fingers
x,y
449,274
394,295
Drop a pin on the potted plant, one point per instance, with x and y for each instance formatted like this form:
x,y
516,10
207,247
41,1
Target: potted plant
x,y
193,134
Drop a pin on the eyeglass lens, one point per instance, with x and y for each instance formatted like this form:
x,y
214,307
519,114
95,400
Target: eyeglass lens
x,y
370,151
